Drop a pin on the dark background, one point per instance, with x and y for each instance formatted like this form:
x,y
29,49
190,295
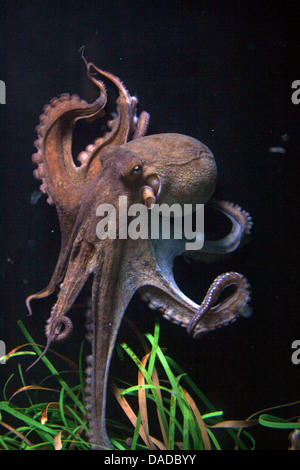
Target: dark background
x,y
218,71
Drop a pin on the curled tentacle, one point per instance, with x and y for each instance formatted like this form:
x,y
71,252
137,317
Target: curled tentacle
x,y
142,125
241,226
125,125
236,303
239,234
54,329
53,157
53,333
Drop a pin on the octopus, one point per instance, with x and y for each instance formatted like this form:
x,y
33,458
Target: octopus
x,y
162,168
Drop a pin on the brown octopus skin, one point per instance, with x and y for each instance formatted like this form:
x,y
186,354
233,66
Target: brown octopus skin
x,y
174,169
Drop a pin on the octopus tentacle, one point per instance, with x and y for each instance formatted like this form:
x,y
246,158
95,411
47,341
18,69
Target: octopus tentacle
x,y
39,295
238,236
76,276
142,125
162,293
55,165
77,272
54,333
59,334
104,319
125,125
235,304
241,226
167,298
56,278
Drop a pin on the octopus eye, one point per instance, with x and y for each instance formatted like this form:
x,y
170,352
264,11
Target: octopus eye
x,y
137,170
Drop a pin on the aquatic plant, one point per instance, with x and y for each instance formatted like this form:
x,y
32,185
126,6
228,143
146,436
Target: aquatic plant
x,y
161,386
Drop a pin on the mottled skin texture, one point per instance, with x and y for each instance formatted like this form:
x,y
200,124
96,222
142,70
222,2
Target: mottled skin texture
x,y
171,168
